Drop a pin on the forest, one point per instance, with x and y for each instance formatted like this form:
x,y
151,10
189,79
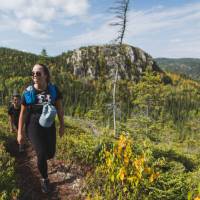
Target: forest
x,y
154,153
186,66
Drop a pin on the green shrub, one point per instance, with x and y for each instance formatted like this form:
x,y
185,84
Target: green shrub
x,y
8,189
80,148
169,187
120,174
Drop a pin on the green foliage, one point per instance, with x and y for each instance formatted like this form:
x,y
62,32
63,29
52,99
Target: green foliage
x,y
189,67
8,189
79,148
187,161
165,116
78,144
193,182
121,174
170,187
44,53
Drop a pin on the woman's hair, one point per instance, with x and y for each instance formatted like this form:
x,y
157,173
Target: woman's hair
x,y
46,71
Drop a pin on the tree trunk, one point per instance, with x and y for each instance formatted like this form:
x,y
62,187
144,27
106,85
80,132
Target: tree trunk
x,y
114,100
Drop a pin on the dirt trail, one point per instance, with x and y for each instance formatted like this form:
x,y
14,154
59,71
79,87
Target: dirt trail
x,y
65,181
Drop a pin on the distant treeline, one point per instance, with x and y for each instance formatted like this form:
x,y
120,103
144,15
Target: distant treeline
x,y
190,67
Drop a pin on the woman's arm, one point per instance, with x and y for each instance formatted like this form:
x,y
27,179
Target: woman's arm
x,y
20,133
60,113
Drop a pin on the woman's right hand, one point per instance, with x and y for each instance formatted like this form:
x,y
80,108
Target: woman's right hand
x,y
20,138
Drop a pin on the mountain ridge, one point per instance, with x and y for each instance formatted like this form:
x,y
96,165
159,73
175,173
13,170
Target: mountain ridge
x,y
186,66
189,67
91,61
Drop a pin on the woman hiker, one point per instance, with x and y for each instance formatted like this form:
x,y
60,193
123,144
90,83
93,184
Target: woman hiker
x,y
40,102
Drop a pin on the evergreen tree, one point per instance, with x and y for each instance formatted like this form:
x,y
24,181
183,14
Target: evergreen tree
x,y
44,53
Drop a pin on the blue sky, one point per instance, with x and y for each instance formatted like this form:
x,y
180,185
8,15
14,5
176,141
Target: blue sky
x,y
162,28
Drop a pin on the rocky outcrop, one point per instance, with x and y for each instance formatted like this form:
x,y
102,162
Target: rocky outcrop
x,y
96,61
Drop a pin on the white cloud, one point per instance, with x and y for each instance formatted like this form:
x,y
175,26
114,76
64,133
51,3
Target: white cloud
x,y
10,5
69,22
36,12
73,7
160,31
4,42
32,28
165,18
88,20
167,32
6,22
41,8
40,12
101,35
175,40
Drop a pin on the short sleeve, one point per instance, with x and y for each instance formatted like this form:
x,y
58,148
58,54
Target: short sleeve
x,y
23,101
10,110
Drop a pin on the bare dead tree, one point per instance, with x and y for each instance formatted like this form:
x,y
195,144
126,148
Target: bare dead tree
x,y
120,10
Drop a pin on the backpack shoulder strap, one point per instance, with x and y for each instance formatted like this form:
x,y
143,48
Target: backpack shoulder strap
x,y
52,91
29,95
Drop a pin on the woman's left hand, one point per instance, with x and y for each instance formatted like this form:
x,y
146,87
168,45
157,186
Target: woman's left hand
x,y
61,131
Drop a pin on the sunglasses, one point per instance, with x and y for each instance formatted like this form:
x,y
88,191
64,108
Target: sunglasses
x,y
36,74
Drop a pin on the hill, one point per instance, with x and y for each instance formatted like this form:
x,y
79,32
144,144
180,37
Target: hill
x,y
96,61
88,61
92,61
186,66
69,70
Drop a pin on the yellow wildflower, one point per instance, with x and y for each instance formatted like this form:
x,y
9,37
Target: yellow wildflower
x,y
109,162
153,177
138,163
121,174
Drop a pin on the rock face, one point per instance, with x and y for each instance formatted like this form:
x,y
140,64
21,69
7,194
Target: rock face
x,y
96,61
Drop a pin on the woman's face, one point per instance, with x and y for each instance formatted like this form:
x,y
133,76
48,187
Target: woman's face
x,y
38,75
